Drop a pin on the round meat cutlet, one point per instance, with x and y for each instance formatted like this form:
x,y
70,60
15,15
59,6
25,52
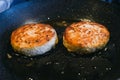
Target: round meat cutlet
x,y
85,37
34,39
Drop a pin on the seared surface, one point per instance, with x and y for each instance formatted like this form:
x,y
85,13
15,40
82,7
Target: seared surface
x,y
32,35
85,35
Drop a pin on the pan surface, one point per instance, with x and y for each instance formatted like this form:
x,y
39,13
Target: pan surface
x,y
59,64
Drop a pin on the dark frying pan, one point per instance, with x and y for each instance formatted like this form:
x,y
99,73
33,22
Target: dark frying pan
x,y
58,64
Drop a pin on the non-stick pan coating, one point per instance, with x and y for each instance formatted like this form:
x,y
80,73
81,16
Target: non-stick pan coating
x,y
57,64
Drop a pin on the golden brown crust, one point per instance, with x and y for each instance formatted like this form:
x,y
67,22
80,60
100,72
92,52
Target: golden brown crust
x,y
31,35
85,35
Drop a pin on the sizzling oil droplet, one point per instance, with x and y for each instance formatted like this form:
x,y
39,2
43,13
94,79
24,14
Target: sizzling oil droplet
x,y
9,56
108,69
62,72
31,59
94,67
48,18
17,55
30,78
58,16
82,67
57,63
48,63
79,74
113,45
105,49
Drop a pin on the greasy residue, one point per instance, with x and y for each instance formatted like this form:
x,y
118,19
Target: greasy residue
x,y
59,64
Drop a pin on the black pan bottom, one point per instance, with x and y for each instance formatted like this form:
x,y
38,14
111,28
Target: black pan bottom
x,y
59,64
